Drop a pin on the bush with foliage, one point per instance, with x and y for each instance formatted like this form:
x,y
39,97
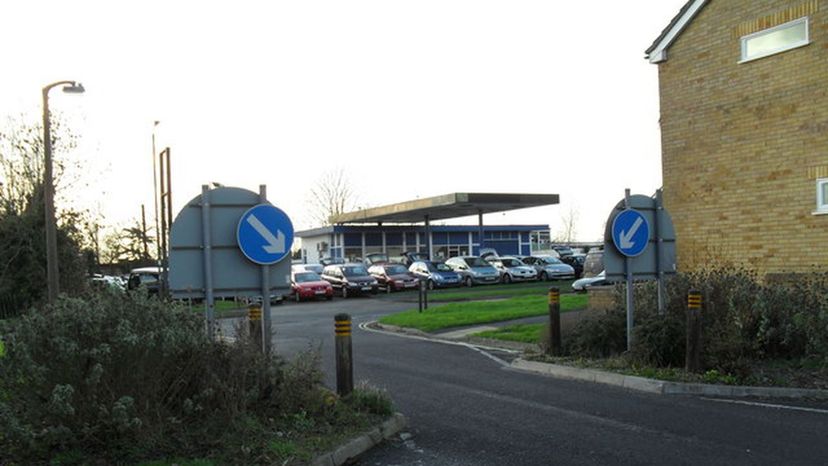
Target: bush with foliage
x,y
743,320
119,378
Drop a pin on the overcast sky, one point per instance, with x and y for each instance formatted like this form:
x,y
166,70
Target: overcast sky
x,y
410,99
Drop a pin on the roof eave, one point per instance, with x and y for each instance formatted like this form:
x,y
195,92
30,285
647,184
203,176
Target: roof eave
x,y
657,52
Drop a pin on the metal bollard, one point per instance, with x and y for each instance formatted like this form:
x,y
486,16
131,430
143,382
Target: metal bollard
x,y
554,342
421,289
692,355
254,322
344,360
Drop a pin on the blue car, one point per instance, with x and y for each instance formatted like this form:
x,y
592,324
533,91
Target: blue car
x,y
435,274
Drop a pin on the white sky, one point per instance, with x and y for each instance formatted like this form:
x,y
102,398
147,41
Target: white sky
x,y
411,99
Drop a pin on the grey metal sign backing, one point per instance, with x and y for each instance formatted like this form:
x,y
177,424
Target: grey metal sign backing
x,y
205,259
660,254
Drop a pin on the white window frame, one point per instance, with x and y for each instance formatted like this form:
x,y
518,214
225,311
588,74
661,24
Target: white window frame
x,y
802,43
821,201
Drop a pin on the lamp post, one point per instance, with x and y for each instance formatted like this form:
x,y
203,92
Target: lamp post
x,y
71,87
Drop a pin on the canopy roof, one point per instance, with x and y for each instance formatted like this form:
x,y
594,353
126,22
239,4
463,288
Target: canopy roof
x,y
446,206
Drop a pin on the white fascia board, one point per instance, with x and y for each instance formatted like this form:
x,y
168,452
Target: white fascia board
x,y
659,54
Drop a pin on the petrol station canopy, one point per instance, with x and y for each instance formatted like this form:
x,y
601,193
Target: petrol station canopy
x,y
452,205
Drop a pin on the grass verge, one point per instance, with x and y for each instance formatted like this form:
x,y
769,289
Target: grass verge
x,y
460,314
524,333
498,291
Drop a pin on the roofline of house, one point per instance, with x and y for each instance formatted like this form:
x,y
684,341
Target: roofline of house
x,y
657,52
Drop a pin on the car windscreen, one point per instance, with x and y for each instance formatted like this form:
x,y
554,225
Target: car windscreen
x,y
395,270
476,262
354,271
305,277
552,260
511,262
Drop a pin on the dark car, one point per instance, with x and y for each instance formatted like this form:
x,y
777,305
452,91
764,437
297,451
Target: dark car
x,y
576,261
563,250
146,277
350,279
435,274
394,277
309,285
474,270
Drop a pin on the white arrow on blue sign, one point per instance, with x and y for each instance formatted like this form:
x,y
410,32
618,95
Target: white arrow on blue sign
x,y
630,232
265,234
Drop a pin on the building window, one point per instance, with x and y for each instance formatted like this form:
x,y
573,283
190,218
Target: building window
x,y
822,196
777,39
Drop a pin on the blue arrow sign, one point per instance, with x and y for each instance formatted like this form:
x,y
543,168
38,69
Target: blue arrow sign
x,y
630,233
265,234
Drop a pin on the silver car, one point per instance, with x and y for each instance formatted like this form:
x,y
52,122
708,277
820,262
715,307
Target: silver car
x,y
550,267
513,269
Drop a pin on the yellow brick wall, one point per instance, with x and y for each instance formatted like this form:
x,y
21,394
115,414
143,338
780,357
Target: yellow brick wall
x,y
743,144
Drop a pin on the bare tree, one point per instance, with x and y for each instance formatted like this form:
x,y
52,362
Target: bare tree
x,y
331,195
568,231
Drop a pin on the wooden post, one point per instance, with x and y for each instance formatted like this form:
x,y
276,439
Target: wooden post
x,y
254,323
692,356
344,359
554,342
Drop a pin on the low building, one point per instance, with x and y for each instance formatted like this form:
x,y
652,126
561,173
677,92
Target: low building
x,y
406,226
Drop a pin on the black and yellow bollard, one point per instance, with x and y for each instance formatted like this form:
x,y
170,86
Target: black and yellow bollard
x,y
344,360
254,322
692,355
554,342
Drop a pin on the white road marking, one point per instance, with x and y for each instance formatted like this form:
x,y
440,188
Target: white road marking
x,y
768,405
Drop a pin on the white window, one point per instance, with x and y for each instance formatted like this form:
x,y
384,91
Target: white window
x,y
822,196
777,39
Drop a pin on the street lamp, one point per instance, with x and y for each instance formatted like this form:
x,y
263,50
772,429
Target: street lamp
x,y
70,87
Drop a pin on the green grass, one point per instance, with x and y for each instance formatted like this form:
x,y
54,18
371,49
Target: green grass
x,y
500,291
459,314
524,333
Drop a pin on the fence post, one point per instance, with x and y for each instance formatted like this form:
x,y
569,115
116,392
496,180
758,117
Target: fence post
x,y
254,323
344,359
554,343
692,356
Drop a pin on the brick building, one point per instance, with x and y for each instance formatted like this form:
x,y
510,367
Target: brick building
x,y
744,126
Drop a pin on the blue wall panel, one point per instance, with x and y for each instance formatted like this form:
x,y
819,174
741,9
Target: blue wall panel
x,y
394,239
439,238
459,238
373,239
353,239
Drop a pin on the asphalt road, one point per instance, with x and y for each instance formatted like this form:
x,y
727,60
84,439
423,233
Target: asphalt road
x,y
465,407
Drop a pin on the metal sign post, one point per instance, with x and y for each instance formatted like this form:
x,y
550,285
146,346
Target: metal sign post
x,y
266,318
209,300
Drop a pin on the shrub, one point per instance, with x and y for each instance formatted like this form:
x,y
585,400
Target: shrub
x,y
126,377
600,336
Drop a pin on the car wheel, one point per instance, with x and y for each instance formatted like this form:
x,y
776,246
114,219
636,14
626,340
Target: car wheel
x,y
544,277
430,284
469,282
329,298
344,291
507,278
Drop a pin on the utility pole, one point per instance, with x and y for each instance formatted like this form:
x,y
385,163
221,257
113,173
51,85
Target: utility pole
x,y
144,237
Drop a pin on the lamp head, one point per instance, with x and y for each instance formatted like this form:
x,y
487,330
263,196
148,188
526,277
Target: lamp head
x,y
74,88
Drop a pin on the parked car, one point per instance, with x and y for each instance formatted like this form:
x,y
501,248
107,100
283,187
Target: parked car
x,y
563,250
584,283
350,279
393,277
309,285
513,269
435,274
331,260
107,282
146,277
316,268
576,261
410,257
593,263
474,270
549,267
375,258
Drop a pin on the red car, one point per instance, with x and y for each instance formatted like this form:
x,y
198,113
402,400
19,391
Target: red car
x,y
308,285
394,277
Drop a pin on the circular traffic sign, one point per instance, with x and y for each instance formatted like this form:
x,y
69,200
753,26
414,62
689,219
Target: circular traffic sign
x,y
630,232
265,234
